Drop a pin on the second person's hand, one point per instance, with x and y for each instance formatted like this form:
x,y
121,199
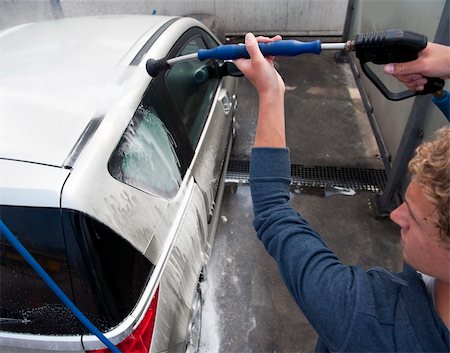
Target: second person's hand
x,y
433,61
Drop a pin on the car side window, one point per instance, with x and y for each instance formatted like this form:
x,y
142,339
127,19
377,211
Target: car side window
x,y
147,156
193,84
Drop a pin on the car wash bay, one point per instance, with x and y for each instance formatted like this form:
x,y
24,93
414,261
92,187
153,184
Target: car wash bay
x,y
247,307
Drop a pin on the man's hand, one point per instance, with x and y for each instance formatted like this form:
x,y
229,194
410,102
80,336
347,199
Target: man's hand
x,y
258,69
433,61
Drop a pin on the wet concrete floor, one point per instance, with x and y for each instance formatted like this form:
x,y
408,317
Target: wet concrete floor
x,y
247,307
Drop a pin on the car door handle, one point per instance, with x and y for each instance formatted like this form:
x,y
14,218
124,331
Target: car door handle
x,y
227,103
212,206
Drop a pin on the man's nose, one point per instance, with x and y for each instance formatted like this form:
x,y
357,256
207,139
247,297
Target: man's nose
x,y
398,216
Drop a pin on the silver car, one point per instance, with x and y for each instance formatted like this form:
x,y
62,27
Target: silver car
x,y
111,179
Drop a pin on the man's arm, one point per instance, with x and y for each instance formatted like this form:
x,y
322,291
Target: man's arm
x,y
270,130
323,288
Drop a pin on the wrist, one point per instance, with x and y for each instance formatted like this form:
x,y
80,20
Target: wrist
x,y
271,94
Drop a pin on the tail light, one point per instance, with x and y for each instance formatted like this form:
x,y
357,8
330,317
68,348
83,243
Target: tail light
x,y
140,339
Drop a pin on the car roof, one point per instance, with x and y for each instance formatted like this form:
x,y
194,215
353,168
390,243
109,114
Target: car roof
x,y
56,76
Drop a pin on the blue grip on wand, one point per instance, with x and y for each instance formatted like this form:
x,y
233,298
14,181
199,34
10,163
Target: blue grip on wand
x,y
280,48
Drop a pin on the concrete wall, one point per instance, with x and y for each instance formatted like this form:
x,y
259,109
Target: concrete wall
x,y
300,17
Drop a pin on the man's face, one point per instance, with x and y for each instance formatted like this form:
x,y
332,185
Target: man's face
x,y
422,247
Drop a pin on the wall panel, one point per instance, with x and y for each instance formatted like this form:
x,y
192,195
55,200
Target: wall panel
x,y
295,17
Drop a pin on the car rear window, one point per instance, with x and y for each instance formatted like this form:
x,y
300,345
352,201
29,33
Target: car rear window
x,y
146,155
100,271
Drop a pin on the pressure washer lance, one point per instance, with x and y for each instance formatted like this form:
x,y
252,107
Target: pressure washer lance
x,y
391,46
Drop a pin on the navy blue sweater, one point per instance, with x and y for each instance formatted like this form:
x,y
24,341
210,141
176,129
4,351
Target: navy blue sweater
x,y
351,309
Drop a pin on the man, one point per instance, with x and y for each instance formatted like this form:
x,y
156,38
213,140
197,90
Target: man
x,y
351,309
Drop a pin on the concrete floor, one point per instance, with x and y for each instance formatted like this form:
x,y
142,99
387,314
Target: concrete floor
x,y
247,307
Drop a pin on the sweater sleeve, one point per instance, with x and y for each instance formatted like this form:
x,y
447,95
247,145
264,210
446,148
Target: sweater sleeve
x,y
443,103
325,289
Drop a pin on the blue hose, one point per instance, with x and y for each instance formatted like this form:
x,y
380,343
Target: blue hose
x,y
54,287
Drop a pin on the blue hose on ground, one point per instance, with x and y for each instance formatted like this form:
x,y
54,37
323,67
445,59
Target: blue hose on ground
x,y
54,287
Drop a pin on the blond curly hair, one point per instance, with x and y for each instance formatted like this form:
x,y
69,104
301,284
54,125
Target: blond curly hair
x,y
431,168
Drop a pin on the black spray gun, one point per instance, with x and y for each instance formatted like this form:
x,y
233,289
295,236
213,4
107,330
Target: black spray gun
x,y
391,46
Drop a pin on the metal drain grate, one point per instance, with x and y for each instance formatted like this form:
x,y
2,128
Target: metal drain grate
x,y
373,180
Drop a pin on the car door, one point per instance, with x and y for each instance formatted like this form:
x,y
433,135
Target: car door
x,y
206,104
